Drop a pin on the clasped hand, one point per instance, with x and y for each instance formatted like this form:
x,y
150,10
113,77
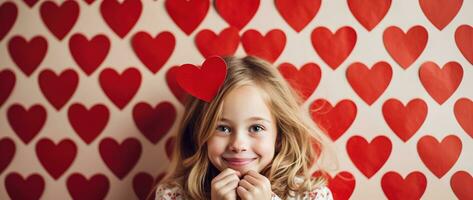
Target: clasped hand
x,y
230,183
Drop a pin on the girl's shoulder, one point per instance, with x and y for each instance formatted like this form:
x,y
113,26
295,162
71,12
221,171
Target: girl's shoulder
x,y
169,191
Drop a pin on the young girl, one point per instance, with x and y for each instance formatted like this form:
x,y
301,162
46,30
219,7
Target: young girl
x,y
252,141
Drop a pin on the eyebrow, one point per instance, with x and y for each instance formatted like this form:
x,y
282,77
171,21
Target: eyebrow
x,y
249,119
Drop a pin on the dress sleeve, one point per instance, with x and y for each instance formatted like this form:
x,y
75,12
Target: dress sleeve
x,y
321,193
168,192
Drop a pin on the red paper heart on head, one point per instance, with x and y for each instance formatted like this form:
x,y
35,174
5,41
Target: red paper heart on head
x,y
368,12
187,14
59,19
397,188
298,13
8,15
462,185
440,12
20,188
464,40
369,84
202,83
7,83
405,48
334,48
7,151
223,44
96,187
404,120
369,157
439,157
121,16
237,13
305,80
441,83
27,55
89,54
464,114
268,47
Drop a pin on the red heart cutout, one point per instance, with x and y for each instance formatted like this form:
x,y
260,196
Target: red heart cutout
x,y
26,122
143,183
154,123
7,83
89,54
187,14
324,42
56,158
120,158
333,120
298,13
176,90
120,88
397,188
440,12
8,15
369,13
461,183
237,13
7,151
369,84
405,121
464,40
342,186
369,157
203,83
223,44
59,19
439,157
58,89
121,16
88,123
30,3
19,188
27,55
96,187
153,52
440,83
268,47
405,48
463,110
305,80
169,146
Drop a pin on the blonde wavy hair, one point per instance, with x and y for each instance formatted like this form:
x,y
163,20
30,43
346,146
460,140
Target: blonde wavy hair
x,y
300,145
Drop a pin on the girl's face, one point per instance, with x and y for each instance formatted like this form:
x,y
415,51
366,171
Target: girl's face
x,y
245,137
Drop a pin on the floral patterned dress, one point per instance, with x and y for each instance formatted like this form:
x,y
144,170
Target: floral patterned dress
x,y
168,192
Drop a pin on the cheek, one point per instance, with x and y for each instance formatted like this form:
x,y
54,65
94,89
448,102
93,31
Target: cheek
x,y
215,147
265,148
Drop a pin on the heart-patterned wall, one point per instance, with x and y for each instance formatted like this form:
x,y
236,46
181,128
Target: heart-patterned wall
x,y
89,105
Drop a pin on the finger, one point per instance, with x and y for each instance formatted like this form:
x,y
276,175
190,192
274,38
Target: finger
x,y
242,192
248,186
256,175
225,180
223,174
252,180
230,186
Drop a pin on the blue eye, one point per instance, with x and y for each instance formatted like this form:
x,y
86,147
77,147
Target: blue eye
x,y
257,128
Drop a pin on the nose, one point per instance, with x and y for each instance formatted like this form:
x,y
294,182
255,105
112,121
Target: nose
x,y
238,143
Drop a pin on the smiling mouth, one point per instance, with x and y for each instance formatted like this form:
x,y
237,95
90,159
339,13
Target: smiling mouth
x,y
238,162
